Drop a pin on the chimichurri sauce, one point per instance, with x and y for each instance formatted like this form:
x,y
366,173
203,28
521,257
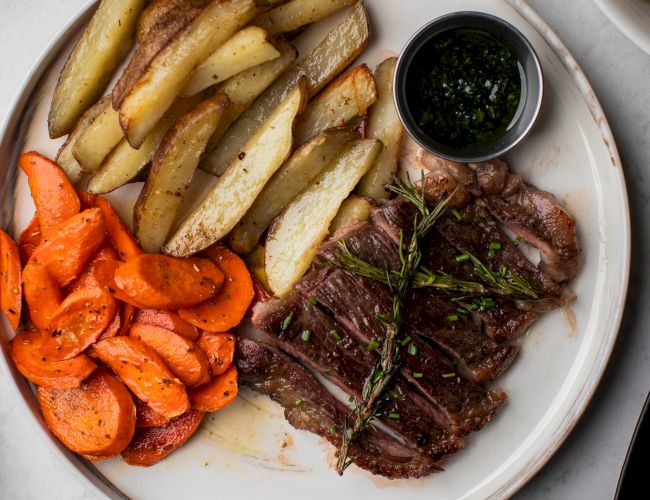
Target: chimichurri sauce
x,y
464,88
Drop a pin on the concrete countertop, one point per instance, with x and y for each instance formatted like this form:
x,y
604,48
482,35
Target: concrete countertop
x,y
589,463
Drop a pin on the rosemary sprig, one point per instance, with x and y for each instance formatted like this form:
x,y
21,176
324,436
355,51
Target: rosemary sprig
x,y
507,282
384,370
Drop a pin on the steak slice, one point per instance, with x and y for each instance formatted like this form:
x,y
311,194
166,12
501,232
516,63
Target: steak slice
x,y
347,364
285,381
460,405
505,321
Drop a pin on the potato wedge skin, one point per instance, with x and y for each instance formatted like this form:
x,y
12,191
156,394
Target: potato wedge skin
x,y
170,70
64,157
157,14
145,374
247,48
97,418
243,89
236,190
347,97
89,68
295,235
321,65
296,174
353,209
99,138
172,170
298,13
25,351
383,124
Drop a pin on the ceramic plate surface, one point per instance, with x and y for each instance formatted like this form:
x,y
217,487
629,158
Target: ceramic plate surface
x,y
248,449
632,17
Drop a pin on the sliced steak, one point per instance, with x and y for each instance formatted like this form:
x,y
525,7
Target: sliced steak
x,y
270,372
461,405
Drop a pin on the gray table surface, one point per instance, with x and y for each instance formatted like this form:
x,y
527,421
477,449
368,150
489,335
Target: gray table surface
x,y
588,464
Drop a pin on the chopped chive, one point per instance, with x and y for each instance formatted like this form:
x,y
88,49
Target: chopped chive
x,y
393,394
406,340
333,429
487,303
287,321
413,349
336,335
298,402
373,345
312,301
456,214
503,271
351,399
495,245
418,375
462,257
394,415
448,375
306,335
462,310
492,254
519,240
452,317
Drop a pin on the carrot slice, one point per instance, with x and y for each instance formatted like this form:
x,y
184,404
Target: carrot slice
x,y
97,418
152,444
54,196
11,283
219,348
146,417
78,322
164,282
25,349
142,370
127,312
41,293
66,252
166,319
29,239
123,240
216,394
182,356
95,273
225,310
87,200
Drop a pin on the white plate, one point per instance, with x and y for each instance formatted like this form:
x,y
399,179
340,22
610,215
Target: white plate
x,y
632,17
571,152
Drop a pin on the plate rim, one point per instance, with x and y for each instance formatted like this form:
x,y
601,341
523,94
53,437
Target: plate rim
x,y
622,23
97,483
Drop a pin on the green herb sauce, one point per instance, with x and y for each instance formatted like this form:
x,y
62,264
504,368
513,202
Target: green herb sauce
x,y
464,88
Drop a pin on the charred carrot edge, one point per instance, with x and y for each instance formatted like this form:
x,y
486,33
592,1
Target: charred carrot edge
x,y
11,281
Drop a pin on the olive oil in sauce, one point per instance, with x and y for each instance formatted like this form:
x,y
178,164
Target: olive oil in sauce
x,y
465,88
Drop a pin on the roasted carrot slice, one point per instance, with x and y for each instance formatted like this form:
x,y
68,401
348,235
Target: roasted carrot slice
x,y
25,349
182,356
42,293
11,282
166,319
123,240
78,322
164,282
54,196
97,418
146,417
226,309
219,348
145,373
29,239
152,444
87,200
66,252
96,273
216,394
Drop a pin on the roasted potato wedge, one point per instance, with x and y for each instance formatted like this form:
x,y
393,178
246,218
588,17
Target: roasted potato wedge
x,y
383,124
157,13
353,209
101,49
125,164
236,190
249,47
97,141
347,97
172,170
295,235
339,48
171,69
297,13
296,174
64,157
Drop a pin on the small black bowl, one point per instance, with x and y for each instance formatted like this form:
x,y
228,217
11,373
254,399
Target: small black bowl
x,y
532,84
